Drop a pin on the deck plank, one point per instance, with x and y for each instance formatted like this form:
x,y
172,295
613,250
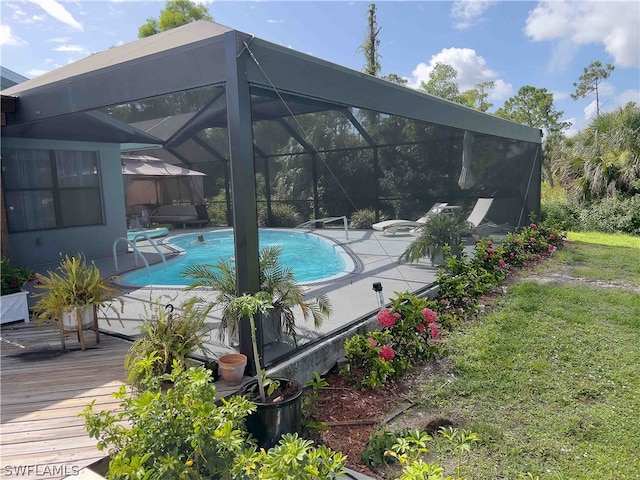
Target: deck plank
x,y
43,389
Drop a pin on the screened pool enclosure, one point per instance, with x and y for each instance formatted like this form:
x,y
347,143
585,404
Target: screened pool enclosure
x,y
282,134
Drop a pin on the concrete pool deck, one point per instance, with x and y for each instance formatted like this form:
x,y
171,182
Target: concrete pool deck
x,y
352,296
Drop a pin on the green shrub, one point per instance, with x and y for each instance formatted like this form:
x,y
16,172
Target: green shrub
x,y
556,208
282,215
612,215
165,337
460,284
363,219
489,261
380,442
217,213
293,458
181,433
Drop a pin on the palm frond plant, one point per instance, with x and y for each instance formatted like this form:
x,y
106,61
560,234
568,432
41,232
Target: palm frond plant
x,y
166,336
276,280
75,283
439,230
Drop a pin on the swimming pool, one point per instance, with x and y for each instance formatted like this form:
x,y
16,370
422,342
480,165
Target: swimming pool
x,y
312,257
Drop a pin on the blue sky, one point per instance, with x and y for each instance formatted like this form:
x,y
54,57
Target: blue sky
x,y
543,44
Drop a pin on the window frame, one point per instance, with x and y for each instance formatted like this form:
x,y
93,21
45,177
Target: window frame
x,y
57,191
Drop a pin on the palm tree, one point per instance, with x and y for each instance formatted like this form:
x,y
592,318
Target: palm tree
x,y
277,281
605,158
439,230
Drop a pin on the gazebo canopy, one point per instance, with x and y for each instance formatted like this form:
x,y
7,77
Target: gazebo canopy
x,y
149,181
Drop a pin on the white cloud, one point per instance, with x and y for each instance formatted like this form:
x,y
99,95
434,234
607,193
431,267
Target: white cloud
x,y
35,72
627,96
57,11
466,13
573,129
271,20
612,24
59,40
557,95
606,88
590,110
17,11
7,38
72,48
501,91
471,68
33,19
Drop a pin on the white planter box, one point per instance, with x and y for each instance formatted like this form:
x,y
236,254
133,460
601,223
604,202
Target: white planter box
x,y
14,307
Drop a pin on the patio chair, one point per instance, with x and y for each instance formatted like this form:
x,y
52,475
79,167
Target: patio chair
x,y
477,222
392,226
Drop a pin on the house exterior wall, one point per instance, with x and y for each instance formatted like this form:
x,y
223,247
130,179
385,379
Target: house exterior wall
x,y
45,246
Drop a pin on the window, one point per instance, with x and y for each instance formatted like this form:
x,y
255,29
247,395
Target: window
x,y
47,189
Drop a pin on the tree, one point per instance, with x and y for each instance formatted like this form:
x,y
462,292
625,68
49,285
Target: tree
x,y
371,43
174,14
393,78
590,81
477,96
612,164
442,82
533,107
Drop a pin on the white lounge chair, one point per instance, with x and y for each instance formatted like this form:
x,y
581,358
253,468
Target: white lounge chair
x,y
477,222
480,210
392,226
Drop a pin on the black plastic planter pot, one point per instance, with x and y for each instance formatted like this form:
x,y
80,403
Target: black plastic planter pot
x,y
272,420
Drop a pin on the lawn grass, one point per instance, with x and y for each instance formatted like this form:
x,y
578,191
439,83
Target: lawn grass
x,y
549,379
602,256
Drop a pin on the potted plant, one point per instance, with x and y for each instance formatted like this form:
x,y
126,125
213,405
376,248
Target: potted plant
x,y
166,337
231,367
279,400
278,282
438,230
73,295
14,304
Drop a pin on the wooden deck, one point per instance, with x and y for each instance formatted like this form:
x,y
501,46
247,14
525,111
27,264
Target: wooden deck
x,y
43,389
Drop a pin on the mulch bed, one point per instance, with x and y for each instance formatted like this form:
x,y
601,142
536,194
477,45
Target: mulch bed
x,y
353,415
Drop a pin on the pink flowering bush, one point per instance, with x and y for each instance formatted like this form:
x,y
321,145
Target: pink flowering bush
x,y
386,353
372,360
405,338
412,340
387,318
487,261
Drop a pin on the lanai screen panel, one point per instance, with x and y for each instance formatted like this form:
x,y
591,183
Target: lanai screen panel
x,y
341,160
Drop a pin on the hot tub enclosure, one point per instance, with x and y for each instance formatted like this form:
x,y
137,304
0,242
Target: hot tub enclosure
x,y
274,130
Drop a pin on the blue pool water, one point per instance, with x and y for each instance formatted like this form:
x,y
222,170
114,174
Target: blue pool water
x,y
311,257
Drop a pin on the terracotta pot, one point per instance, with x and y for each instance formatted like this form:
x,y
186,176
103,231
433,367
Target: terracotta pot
x,y
231,367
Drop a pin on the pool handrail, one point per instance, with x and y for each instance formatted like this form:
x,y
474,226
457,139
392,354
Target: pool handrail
x,y
328,220
153,244
136,252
